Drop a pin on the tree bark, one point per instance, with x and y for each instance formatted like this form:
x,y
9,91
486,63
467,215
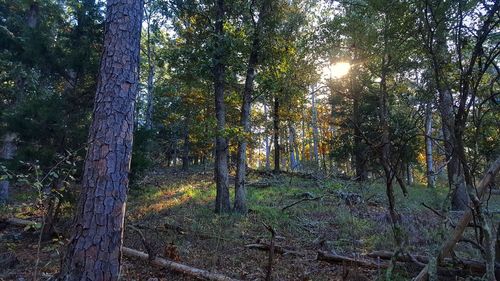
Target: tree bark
x,y
151,74
314,124
431,178
94,249
185,150
360,156
241,162
7,152
440,59
276,122
222,201
294,155
267,144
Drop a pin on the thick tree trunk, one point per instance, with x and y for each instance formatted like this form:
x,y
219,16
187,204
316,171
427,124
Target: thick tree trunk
x,y
7,152
94,249
222,201
276,123
431,178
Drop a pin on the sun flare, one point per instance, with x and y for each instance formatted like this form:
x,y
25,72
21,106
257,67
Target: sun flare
x,y
336,70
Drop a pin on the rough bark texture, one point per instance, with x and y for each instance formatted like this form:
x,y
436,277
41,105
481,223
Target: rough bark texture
x,y
94,249
222,202
431,178
276,122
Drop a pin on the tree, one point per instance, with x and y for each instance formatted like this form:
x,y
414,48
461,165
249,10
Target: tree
x,y
222,201
240,190
94,249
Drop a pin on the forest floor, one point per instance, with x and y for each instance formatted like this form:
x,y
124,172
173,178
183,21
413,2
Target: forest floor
x,y
174,211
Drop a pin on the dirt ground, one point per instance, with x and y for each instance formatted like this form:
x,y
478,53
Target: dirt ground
x,y
174,211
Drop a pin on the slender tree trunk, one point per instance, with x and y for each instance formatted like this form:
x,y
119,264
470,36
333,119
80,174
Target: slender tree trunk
x,y
7,152
291,142
314,124
222,201
456,179
241,162
359,149
94,249
266,140
431,178
385,156
151,73
409,174
174,157
185,150
276,122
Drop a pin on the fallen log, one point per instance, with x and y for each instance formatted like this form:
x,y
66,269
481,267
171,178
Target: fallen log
x,y
277,249
174,266
337,259
177,267
449,269
472,266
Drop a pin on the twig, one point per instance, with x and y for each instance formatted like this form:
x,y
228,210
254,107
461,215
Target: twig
x,y
302,200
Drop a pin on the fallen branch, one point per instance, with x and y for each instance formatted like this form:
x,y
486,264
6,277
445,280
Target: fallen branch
x,y
337,259
456,234
472,266
277,249
302,200
177,267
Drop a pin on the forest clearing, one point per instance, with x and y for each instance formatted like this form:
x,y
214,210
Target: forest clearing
x,y
235,140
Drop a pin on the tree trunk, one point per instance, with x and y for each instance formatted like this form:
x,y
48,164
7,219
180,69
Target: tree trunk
x,y
241,162
151,73
276,122
409,174
268,145
359,149
174,157
7,152
294,163
94,249
431,178
314,124
222,202
185,150
456,180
